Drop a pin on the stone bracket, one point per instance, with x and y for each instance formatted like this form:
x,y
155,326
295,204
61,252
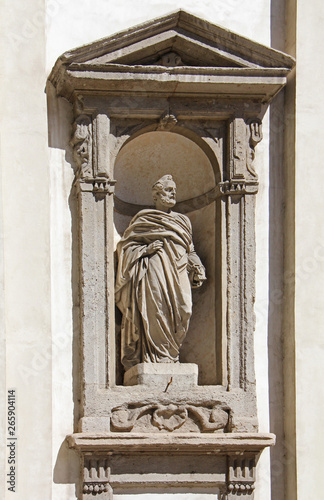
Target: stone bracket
x,y
96,476
99,186
241,475
237,187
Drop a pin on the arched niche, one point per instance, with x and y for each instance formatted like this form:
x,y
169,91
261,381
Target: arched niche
x,y
140,162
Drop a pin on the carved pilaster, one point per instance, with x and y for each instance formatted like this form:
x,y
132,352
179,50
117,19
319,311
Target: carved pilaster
x,y
240,189
237,149
95,205
93,186
102,146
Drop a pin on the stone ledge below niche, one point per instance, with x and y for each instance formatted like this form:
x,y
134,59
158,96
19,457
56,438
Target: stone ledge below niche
x,y
226,461
193,443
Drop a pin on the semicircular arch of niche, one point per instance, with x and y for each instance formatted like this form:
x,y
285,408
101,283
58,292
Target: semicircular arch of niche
x,y
143,160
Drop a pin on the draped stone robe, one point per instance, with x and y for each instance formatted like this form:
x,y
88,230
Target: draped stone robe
x,y
153,292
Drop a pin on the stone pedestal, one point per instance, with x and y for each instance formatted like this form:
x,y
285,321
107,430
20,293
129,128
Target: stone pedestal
x,y
162,375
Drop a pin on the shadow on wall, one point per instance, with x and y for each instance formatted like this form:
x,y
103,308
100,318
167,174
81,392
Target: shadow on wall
x,y
282,122
60,118
67,468
196,493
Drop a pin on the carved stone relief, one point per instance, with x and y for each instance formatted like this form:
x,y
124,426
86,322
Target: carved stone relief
x,y
189,417
167,122
255,129
81,142
170,59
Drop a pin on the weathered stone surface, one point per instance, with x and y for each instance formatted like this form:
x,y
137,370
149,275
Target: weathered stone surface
x,y
155,416
163,375
175,443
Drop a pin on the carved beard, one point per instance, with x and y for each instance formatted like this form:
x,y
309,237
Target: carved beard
x,y
167,201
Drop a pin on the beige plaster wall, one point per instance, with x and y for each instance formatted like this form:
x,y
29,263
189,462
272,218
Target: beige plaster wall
x,y
26,300
71,24
309,267
38,297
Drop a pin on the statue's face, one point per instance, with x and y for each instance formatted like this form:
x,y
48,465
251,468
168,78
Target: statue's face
x,y
167,196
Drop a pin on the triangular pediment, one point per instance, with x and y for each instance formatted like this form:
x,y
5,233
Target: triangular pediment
x,y
178,49
195,41
172,48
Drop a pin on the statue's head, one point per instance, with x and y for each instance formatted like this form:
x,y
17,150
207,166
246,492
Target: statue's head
x,y
164,193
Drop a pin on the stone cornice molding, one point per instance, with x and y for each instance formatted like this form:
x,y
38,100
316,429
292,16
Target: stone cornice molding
x,y
175,443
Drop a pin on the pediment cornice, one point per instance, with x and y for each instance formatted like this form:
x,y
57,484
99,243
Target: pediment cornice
x,y
179,48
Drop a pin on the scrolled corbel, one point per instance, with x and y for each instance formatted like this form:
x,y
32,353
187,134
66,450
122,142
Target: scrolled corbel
x,y
256,136
81,142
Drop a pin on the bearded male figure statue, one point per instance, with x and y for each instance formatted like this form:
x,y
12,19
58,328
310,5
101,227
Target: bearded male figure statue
x,y
157,266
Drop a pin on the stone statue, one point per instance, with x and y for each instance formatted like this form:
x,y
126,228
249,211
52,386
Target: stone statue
x,y
157,266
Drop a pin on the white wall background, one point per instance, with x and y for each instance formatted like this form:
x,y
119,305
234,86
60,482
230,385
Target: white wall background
x,y
309,315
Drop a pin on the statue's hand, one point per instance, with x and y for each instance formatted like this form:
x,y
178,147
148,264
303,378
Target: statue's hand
x,y
154,247
198,276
